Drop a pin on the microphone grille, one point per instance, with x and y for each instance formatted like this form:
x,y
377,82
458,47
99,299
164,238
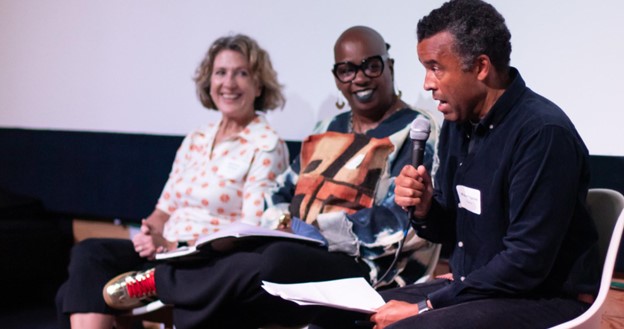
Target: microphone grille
x,y
420,129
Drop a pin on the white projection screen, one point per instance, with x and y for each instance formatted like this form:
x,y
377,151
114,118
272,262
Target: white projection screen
x,y
127,65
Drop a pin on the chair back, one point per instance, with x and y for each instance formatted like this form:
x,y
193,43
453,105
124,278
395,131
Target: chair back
x,y
607,210
605,207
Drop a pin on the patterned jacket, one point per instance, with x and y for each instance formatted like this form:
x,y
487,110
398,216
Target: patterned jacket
x,y
343,185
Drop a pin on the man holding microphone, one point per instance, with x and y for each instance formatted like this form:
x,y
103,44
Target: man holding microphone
x,y
509,193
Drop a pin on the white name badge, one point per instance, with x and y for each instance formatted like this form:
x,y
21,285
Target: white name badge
x,y
469,199
233,169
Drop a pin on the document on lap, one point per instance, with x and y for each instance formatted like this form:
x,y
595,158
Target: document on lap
x,y
232,235
179,252
353,294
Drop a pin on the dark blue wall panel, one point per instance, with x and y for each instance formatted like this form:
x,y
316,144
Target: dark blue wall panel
x,y
92,175
112,175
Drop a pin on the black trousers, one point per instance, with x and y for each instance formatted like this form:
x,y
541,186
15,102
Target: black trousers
x,y
225,291
92,264
509,313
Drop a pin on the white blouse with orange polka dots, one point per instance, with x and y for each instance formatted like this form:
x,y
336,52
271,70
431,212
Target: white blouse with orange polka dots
x,y
211,187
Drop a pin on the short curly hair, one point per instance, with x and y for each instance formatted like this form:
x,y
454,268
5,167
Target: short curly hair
x,y
271,96
478,29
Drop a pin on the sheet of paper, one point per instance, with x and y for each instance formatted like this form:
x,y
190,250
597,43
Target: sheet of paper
x,y
242,230
353,294
179,252
227,238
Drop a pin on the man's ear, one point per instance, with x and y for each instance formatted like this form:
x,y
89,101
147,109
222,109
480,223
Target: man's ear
x,y
483,67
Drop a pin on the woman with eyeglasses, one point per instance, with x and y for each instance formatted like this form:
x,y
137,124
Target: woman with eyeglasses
x,y
339,191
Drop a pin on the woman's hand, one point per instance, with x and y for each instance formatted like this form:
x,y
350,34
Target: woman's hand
x,y
414,189
285,221
149,241
392,312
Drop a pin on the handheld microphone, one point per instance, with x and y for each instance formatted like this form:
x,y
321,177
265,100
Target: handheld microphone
x,y
419,133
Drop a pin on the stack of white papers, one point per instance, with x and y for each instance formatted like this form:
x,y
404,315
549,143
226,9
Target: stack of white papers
x,y
354,294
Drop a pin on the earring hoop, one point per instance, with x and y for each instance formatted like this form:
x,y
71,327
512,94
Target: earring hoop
x,y
340,103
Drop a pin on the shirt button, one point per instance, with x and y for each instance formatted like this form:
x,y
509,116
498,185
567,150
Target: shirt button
x,y
460,244
463,278
461,163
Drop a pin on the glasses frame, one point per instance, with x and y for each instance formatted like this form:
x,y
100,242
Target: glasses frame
x,y
360,67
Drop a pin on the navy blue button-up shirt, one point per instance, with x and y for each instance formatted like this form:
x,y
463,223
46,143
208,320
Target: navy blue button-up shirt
x,y
510,195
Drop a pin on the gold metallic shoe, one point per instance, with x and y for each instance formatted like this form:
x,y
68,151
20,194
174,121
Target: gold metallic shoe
x,y
130,290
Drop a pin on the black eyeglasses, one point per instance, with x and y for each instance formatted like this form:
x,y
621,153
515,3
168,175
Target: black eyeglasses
x,y
372,67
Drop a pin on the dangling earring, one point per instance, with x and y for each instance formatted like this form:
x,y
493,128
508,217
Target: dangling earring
x,y
399,94
340,103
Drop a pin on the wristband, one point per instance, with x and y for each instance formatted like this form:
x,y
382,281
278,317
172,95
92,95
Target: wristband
x,y
422,306
182,244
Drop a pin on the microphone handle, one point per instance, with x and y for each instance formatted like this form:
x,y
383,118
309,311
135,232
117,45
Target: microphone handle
x,y
418,155
418,152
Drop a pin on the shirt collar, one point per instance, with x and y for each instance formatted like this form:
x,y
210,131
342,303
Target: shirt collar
x,y
260,134
502,106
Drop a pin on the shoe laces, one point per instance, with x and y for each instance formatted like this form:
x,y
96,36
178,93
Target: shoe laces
x,y
142,285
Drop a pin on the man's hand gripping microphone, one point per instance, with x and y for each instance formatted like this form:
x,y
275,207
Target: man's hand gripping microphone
x,y
419,133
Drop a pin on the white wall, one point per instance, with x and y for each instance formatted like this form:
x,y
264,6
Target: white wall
x,y
126,65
